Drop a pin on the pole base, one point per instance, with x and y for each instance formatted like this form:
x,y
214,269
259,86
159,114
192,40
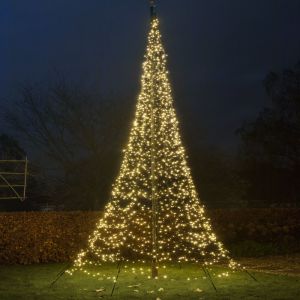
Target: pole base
x,y
154,271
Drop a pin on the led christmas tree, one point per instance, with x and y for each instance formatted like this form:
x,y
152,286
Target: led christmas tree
x,y
154,213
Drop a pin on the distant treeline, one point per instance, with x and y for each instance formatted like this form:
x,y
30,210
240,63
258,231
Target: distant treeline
x,y
76,138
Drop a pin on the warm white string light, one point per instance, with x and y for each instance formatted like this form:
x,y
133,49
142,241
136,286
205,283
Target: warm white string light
x,y
183,231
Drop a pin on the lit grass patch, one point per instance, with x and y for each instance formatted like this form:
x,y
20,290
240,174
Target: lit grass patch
x,y
175,282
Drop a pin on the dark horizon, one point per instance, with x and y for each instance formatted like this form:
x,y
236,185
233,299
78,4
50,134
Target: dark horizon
x,y
219,53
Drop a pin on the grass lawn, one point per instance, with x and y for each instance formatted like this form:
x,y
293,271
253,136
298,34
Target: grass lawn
x,y
189,282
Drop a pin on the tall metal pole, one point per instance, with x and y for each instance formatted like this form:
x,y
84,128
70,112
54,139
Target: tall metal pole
x,y
152,8
153,195
153,179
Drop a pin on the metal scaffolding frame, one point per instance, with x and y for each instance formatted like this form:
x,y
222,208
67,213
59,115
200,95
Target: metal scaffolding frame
x,y
10,180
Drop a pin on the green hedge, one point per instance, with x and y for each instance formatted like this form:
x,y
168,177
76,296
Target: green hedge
x,y
34,237
258,232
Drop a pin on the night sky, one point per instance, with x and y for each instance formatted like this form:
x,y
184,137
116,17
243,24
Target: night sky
x,y
219,51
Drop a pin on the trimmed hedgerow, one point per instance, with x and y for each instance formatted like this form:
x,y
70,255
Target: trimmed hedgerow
x,y
258,232
40,237
34,237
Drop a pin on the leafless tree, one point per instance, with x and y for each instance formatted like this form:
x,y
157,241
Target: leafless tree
x,y
76,135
